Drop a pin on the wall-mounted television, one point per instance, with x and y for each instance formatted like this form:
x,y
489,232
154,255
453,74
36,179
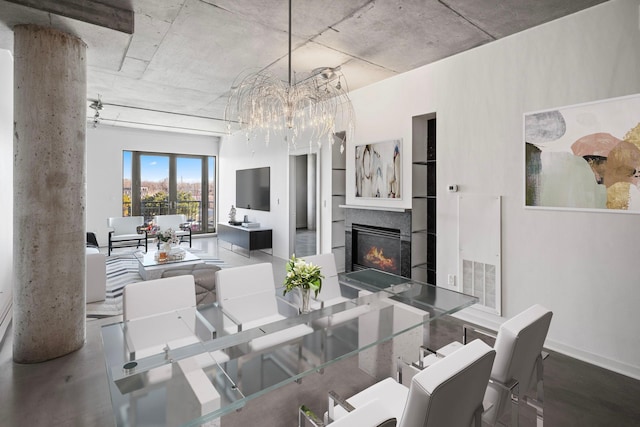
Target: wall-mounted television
x,y
253,189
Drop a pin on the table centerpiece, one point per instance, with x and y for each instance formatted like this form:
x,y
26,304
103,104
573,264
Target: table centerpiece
x,y
304,276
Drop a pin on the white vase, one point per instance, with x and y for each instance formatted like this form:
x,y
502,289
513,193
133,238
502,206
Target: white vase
x,y
166,247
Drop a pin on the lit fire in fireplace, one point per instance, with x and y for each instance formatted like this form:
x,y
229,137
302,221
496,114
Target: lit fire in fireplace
x,y
376,257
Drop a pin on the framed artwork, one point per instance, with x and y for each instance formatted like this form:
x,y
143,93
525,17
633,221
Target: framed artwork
x,y
584,157
379,170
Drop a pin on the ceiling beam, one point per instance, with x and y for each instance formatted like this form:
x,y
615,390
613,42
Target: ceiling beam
x,y
90,11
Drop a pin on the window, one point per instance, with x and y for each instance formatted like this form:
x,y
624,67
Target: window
x,y
162,184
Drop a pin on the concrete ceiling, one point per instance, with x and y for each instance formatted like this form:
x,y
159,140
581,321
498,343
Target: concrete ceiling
x,y
174,72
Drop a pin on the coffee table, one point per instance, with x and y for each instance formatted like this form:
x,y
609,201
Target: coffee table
x,y
151,268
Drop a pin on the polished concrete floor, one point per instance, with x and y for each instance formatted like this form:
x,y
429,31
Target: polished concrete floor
x,y
73,390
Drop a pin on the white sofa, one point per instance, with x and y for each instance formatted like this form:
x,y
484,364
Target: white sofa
x,y
177,222
95,275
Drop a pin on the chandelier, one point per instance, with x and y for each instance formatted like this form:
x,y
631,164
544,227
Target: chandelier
x,y
305,109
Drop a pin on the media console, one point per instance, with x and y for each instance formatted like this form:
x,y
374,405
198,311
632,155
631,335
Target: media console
x,y
250,239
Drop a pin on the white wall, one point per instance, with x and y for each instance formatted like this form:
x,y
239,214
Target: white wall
x,y
583,266
236,153
105,145
6,190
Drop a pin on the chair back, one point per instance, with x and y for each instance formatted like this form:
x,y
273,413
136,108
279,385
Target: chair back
x,y
450,392
142,299
519,343
125,224
330,285
247,292
164,222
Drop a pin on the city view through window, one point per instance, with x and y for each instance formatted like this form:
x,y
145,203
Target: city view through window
x,y
162,184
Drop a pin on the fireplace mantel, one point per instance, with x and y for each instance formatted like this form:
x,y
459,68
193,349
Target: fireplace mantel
x,y
375,208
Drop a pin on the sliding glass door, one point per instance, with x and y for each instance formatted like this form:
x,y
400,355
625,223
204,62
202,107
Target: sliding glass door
x,y
163,184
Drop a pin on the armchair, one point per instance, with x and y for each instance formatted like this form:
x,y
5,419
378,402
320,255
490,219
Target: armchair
x,y
177,222
448,393
247,295
126,232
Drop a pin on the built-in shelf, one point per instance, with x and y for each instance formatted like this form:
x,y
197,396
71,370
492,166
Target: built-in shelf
x,y
338,198
423,200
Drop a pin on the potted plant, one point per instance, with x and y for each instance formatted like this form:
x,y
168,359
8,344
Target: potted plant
x,y
304,276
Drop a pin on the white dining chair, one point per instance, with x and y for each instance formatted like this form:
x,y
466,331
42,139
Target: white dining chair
x,y
518,366
447,393
247,295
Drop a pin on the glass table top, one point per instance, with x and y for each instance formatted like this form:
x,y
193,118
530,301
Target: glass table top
x,y
172,360
151,258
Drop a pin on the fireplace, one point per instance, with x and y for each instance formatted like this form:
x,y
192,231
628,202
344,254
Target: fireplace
x,y
376,247
378,239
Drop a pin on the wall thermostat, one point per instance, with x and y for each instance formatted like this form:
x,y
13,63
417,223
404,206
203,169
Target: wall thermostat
x,y
453,188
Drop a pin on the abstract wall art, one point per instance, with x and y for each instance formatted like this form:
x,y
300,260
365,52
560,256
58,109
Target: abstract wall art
x,y
378,170
584,157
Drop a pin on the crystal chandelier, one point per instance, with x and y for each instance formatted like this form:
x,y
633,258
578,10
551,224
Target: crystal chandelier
x,y
306,110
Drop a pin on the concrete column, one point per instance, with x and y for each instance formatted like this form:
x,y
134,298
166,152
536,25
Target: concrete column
x,y
49,193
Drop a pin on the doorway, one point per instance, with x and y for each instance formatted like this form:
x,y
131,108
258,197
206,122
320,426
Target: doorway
x,y
303,204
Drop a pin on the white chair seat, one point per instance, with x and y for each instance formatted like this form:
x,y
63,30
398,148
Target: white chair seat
x,y
315,304
280,337
250,324
373,413
121,237
393,394
341,317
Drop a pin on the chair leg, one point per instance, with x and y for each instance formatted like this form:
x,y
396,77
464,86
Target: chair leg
x,y
515,402
477,416
538,402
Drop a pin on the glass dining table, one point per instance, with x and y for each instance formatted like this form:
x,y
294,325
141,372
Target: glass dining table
x,y
186,368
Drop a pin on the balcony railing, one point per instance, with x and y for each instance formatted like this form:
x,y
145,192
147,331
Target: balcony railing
x,y
191,209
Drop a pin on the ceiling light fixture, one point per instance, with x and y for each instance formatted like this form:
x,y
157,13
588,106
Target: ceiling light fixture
x,y
310,108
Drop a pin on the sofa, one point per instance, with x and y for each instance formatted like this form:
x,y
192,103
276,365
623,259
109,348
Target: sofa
x,y
96,275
